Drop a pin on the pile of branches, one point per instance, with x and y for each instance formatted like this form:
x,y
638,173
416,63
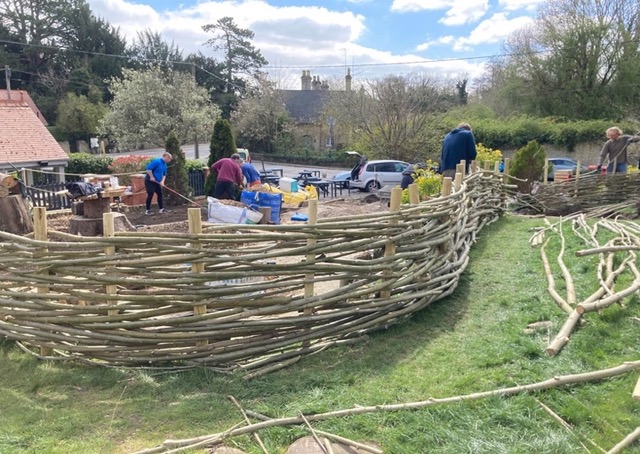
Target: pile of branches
x,y
617,270
254,297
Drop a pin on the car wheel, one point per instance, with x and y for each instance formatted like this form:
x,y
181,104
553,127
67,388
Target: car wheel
x,y
372,186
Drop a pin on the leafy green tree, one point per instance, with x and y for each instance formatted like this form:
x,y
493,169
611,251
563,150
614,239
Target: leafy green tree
x,y
221,146
261,118
241,57
79,118
573,62
147,105
528,166
151,49
177,179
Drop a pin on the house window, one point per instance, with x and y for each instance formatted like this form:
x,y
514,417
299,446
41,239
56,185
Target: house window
x,y
328,143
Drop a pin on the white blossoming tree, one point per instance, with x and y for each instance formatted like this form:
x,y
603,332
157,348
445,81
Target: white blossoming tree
x,y
148,104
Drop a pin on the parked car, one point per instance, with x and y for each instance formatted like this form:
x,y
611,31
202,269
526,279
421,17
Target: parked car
x,y
370,176
343,179
244,154
565,164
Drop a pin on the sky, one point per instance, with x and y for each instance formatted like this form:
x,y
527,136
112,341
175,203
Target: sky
x,y
450,38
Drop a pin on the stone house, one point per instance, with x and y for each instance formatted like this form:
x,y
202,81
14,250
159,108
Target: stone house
x,y
308,109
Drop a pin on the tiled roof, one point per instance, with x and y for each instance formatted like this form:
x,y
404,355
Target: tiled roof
x,y
24,139
306,106
22,98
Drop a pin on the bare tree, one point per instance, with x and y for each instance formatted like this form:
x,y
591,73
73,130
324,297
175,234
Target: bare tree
x,y
393,117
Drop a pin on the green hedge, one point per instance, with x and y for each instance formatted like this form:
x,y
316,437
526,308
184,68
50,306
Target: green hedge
x,y
306,157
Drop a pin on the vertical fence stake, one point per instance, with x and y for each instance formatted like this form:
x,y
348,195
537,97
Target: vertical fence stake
x,y
108,227
414,195
545,177
40,234
195,228
457,182
390,247
446,186
309,289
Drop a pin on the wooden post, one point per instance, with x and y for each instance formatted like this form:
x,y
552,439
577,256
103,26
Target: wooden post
x,y
575,194
446,186
109,229
390,247
636,391
40,234
414,195
496,167
507,162
487,165
545,177
473,168
195,228
462,167
309,288
457,182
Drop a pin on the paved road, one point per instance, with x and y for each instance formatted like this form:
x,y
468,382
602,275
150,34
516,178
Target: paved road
x,y
289,170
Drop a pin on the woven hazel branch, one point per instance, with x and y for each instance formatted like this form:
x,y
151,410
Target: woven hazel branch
x,y
254,297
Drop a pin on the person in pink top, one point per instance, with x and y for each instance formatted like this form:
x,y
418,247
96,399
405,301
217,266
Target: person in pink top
x,y
229,177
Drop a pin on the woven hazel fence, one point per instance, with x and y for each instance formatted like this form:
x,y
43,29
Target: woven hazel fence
x,y
586,192
237,296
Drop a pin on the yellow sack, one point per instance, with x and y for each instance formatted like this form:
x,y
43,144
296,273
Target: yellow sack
x,y
313,193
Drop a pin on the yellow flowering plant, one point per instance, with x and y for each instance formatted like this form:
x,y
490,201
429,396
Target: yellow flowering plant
x,y
487,154
429,182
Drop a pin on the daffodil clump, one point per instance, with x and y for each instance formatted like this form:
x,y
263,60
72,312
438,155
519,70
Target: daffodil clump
x,y
429,182
487,154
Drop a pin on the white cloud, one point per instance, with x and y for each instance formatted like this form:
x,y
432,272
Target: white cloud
x,y
443,40
492,30
291,38
512,5
458,12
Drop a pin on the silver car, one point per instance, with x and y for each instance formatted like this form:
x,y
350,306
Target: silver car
x,y
370,176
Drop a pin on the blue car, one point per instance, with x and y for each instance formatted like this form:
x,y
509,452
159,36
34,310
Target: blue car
x,y
564,164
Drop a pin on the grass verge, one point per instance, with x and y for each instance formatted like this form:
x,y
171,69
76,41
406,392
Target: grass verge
x,y
472,341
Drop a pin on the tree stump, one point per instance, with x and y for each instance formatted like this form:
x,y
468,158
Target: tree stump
x,y
14,215
79,225
94,209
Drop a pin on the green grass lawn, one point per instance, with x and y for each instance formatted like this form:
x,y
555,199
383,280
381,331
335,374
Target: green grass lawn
x,y
469,342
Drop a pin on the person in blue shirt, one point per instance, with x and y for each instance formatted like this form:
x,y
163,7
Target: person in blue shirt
x,y
154,181
459,144
251,175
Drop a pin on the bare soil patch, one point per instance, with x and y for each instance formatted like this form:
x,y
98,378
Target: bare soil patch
x,y
175,219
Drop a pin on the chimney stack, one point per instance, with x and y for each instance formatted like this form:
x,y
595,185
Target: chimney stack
x,y
306,80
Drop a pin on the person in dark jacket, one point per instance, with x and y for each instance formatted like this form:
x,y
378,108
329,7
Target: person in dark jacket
x,y
458,145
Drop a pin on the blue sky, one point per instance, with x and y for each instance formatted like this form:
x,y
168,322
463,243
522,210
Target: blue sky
x,y
372,37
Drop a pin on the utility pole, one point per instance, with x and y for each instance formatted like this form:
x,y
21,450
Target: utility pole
x,y
196,149
7,77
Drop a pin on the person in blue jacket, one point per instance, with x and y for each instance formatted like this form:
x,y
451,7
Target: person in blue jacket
x,y
154,180
457,145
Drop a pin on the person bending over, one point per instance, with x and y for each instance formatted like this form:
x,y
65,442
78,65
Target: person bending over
x,y
229,177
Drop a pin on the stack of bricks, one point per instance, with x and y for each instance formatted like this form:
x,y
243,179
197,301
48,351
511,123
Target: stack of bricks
x,y
139,194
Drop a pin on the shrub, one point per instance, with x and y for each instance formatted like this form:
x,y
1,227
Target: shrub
x,y
81,163
528,165
487,154
429,183
177,179
124,166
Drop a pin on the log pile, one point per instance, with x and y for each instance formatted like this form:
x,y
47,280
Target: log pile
x,y
238,297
